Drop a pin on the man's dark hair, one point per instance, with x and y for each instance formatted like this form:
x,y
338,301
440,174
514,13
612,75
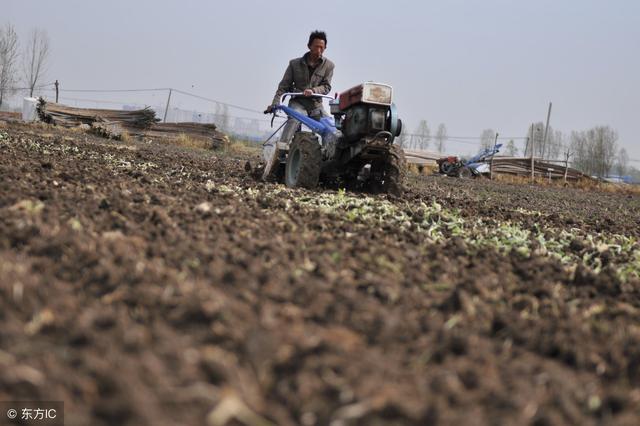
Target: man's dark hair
x,y
317,34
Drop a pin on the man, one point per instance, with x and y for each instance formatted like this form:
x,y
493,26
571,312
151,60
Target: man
x,y
310,74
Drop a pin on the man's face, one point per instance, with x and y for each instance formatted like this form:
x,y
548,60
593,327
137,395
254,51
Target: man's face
x,y
317,47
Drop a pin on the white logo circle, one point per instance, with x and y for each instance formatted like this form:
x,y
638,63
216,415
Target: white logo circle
x,y
12,414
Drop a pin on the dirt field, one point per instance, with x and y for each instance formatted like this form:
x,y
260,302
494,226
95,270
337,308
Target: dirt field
x,y
145,284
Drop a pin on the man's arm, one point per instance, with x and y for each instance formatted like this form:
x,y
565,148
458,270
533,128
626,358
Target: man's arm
x,y
325,84
284,86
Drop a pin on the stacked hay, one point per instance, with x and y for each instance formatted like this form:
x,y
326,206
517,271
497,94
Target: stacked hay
x,y
198,131
424,158
114,124
108,121
522,167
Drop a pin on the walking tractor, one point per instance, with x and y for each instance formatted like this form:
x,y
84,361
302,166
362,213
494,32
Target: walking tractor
x,y
475,166
354,147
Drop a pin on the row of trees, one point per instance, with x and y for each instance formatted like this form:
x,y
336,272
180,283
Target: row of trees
x,y
421,139
594,151
35,55
550,148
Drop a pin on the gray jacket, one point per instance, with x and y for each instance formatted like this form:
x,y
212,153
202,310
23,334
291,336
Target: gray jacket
x,y
297,78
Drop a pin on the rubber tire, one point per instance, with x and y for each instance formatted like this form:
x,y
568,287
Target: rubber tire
x,y
447,168
304,162
395,171
442,168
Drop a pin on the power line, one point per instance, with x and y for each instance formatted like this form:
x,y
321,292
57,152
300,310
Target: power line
x,y
134,103
96,101
462,141
192,111
158,90
29,88
114,90
447,139
465,137
216,101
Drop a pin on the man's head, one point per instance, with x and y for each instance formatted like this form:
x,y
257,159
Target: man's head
x,y
317,43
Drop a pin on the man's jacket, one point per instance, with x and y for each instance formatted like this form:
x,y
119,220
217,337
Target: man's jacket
x,y
298,77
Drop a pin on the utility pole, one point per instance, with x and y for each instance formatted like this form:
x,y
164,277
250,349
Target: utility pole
x,y
546,129
495,142
56,84
164,120
532,139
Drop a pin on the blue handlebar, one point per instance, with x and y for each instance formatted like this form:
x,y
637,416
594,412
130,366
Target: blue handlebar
x,y
323,126
487,152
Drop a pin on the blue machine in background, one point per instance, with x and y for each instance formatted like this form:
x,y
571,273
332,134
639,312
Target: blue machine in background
x,y
458,167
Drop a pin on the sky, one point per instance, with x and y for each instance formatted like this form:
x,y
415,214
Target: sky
x,y
472,65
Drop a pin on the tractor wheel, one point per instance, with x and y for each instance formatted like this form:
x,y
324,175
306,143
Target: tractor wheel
x,y
395,171
447,168
303,161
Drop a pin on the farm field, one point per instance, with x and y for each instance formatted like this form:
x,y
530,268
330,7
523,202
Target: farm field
x,y
151,284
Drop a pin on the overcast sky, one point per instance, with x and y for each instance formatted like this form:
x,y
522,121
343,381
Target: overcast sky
x,y
469,64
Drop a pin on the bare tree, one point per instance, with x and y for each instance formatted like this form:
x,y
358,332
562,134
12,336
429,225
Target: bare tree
x,y
580,149
604,139
8,59
403,139
622,162
535,131
423,135
487,138
555,144
441,137
594,150
511,149
36,56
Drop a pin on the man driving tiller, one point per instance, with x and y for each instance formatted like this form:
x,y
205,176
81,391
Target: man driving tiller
x,y
310,74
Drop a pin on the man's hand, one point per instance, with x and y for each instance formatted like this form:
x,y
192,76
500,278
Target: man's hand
x,y
308,92
269,109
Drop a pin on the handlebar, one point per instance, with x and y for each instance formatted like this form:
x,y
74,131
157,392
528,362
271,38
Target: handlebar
x,y
298,94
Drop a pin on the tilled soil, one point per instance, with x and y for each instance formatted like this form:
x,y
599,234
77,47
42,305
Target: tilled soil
x,y
560,207
149,284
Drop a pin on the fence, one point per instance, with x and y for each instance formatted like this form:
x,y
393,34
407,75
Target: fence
x,y
232,119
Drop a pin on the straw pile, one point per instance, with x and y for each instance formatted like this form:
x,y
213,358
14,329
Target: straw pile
x,y
522,167
134,122
175,129
198,131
